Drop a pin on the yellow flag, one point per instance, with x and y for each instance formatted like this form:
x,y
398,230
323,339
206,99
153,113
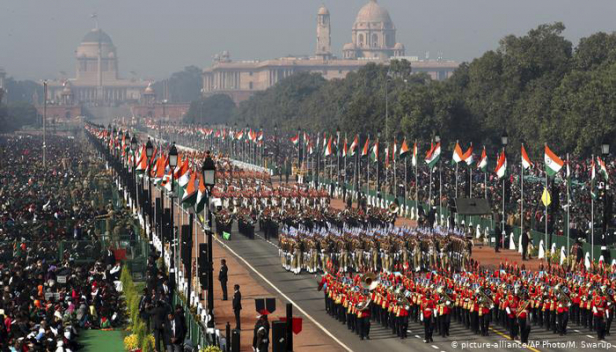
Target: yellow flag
x,y
545,197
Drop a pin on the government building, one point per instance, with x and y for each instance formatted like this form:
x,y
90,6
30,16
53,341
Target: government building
x,y
373,40
97,80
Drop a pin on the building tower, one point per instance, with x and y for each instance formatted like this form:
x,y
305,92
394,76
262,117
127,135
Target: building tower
x,y
324,41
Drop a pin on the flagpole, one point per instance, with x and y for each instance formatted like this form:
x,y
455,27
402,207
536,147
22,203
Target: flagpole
x,y
456,192
368,168
416,180
545,241
393,156
406,190
470,181
568,207
522,197
592,214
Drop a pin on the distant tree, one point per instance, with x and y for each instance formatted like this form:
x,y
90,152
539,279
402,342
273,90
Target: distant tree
x,y
23,90
184,86
216,109
16,115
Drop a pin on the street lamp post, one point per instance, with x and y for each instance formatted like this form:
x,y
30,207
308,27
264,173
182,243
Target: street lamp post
x,y
173,162
504,141
209,180
149,152
133,145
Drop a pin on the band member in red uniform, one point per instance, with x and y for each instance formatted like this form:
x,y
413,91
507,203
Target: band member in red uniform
x,y
511,307
523,317
427,310
403,320
562,310
364,320
599,305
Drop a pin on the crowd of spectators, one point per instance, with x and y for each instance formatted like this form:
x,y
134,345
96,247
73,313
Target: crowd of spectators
x,y
57,274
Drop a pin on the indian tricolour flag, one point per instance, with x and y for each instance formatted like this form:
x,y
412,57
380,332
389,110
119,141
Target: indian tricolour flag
x,y
468,156
603,168
201,194
189,198
483,161
182,173
526,163
457,153
553,163
345,151
295,139
329,149
404,149
366,148
354,146
414,158
374,156
593,176
433,154
501,166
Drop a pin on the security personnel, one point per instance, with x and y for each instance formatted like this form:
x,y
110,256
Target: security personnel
x,y
427,310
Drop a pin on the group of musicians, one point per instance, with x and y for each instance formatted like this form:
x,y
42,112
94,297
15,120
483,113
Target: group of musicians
x,y
512,298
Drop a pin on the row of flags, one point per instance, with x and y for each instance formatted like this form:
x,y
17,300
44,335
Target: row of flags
x,y
553,163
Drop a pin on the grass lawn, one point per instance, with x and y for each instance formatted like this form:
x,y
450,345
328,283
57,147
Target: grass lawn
x,y
102,341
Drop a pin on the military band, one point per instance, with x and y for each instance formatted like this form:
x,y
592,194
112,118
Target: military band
x,y
515,300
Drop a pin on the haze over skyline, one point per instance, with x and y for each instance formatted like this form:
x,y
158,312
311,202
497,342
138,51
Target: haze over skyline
x,y
156,38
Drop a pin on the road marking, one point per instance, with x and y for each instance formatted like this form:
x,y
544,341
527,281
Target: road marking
x,y
417,336
592,337
435,347
509,338
578,331
314,321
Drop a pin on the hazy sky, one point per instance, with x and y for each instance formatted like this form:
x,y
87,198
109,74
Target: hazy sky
x,y
155,37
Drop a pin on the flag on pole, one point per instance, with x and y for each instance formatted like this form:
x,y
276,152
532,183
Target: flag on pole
x,y
394,151
546,199
344,148
526,163
404,149
387,155
201,194
189,197
366,148
593,176
457,153
553,163
354,146
414,159
468,156
433,154
374,156
483,161
501,166
603,168
329,149
295,139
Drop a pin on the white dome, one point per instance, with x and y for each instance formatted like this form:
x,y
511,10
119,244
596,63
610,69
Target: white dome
x,y
372,12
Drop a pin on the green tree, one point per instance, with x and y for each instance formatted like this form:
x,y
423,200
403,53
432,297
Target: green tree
x,y
216,109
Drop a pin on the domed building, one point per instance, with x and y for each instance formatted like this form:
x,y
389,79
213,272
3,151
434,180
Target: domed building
x,y
373,35
373,41
97,80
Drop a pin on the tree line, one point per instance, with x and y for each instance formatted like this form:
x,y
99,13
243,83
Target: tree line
x,y
538,88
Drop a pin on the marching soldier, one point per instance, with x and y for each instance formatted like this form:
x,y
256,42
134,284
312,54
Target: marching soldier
x,y
511,307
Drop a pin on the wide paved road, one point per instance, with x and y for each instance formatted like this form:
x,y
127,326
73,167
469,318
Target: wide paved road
x,y
262,260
